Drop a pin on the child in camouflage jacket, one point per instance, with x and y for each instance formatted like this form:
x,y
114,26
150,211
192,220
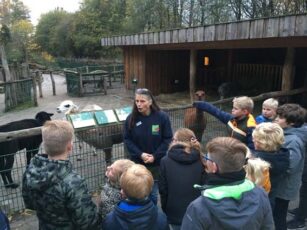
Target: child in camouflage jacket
x,y
52,188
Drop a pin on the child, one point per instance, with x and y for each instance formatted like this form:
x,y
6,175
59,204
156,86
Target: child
x,y
240,123
257,171
183,158
110,194
291,117
269,107
52,188
228,200
268,140
136,211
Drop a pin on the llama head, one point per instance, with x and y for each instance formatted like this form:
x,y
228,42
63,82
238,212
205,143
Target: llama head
x,y
43,116
199,95
66,107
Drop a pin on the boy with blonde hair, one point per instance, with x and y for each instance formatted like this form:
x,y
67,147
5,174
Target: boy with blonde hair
x,y
110,194
269,107
52,188
240,123
257,170
228,200
268,139
136,211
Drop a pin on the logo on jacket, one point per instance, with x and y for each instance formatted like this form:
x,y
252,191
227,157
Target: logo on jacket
x,y
155,129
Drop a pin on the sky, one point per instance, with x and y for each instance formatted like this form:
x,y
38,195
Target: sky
x,y
38,7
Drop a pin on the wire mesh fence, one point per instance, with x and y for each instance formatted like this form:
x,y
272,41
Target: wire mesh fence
x,y
89,80
89,154
18,93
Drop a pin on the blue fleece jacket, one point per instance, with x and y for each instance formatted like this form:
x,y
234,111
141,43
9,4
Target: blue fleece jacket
x,y
151,134
127,215
240,129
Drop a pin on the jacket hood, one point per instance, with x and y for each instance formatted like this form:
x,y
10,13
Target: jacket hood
x,y
302,133
178,154
234,210
43,172
279,160
144,217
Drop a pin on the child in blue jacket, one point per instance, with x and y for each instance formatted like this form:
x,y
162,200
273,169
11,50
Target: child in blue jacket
x,y
240,123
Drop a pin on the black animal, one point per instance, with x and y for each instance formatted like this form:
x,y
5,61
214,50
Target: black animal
x,y
31,144
228,89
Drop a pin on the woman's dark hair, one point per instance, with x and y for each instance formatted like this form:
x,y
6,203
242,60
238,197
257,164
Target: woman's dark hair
x,y
154,106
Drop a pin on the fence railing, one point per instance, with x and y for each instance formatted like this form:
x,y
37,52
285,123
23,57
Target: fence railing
x,y
90,162
89,80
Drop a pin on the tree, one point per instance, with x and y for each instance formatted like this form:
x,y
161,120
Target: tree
x,y
52,33
4,39
18,11
21,32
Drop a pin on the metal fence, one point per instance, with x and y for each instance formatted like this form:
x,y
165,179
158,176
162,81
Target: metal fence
x,y
90,162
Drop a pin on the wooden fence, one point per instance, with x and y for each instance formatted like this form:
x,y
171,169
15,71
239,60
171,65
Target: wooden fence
x,y
265,77
18,93
24,92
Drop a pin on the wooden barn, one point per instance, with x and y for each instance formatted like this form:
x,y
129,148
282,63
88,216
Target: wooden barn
x,y
267,54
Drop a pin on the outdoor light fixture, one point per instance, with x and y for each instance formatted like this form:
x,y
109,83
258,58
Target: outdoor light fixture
x,y
134,82
206,61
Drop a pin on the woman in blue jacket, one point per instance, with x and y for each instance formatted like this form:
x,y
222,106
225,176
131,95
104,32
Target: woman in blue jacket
x,y
147,134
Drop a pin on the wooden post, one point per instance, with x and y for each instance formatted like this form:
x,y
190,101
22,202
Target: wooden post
x,y
53,84
229,65
81,84
287,71
34,91
193,61
39,81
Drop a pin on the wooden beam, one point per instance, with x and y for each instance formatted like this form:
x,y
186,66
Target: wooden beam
x,y
287,72
9,136
193,63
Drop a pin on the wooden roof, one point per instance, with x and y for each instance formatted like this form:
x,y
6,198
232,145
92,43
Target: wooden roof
x,y
277,31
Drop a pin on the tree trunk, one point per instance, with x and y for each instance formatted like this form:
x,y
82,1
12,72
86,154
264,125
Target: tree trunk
x,y
5,65
191,16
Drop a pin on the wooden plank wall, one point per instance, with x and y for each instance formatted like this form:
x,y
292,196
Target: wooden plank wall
x,y
167,71
283,26
134,64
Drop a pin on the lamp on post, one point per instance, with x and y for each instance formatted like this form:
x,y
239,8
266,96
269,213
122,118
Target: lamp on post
x,y
206,61
134,82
